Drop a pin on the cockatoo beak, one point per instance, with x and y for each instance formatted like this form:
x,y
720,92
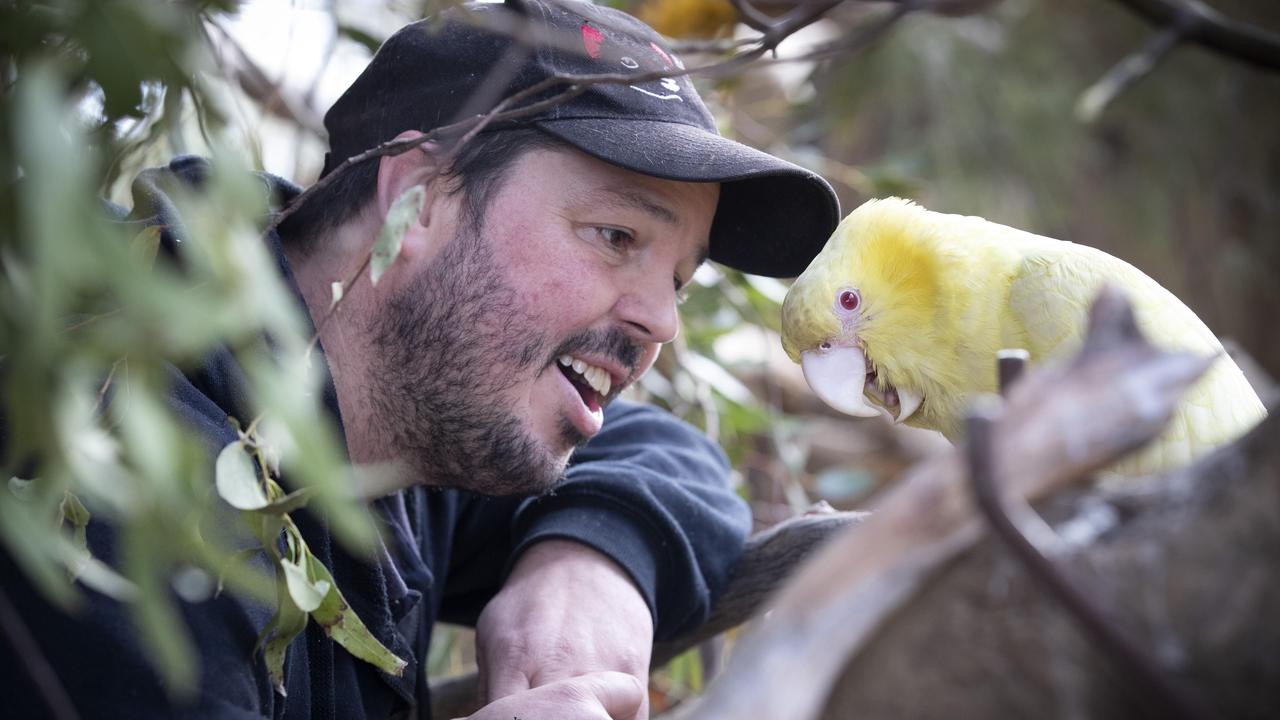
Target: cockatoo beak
x,y
908,403
838,377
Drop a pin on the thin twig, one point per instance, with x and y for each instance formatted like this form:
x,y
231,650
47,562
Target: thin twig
x,y
106,384
856,42
333,306
25,647
750,16
1126,73
269,94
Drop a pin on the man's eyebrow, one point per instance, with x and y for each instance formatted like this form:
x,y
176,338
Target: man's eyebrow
x,y
635,200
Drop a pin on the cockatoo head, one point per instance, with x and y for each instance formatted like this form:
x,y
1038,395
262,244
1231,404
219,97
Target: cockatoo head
x,y
866,319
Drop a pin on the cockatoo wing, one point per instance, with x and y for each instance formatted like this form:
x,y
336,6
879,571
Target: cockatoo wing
x,y
1049,298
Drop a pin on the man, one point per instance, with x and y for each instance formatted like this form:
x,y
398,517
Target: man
x,y
539,279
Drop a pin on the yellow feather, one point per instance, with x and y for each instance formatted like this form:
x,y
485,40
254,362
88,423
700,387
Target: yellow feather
x,y
942,293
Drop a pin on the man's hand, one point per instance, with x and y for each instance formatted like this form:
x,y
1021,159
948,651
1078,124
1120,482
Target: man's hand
x,y
594,696
565,612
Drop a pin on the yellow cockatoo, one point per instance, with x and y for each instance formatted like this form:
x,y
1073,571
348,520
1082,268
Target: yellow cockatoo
x,y
903,311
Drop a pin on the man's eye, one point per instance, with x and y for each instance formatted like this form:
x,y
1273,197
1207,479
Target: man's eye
x,y
615,238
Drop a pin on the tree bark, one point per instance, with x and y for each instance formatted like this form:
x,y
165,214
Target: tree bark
x,y
1187,564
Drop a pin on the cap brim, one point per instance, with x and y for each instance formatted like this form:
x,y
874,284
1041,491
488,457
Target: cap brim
x,y
773,216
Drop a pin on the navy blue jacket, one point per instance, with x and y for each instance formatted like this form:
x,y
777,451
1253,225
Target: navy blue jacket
x,y
648,491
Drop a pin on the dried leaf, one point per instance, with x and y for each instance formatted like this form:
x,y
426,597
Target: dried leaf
x,y
403,213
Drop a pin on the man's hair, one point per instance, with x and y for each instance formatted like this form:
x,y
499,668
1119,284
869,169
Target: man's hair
x,y
476,173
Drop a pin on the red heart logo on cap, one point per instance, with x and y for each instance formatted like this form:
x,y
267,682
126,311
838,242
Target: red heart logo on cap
x,y
591,39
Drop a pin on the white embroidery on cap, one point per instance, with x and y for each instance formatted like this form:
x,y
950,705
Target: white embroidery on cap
x,y
629,63
654,94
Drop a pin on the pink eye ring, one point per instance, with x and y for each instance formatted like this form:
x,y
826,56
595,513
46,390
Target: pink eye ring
x,y
849,300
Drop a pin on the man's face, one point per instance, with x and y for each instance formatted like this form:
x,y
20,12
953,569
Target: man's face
x,y
496,360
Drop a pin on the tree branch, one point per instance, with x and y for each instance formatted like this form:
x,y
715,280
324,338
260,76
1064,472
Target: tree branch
x,y
750,16
1125,74
1201,24
1002,514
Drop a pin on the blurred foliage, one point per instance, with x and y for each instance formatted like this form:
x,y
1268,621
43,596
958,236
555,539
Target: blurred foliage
x,y
702,19
94,320
972,114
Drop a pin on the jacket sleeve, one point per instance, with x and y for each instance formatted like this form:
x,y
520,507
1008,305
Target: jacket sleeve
x,y
649,491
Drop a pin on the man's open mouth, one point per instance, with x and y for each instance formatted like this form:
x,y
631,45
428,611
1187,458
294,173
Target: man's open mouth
x,y
592,383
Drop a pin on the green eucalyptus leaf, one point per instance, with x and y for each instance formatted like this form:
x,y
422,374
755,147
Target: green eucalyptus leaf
x,y
285,625
22,488
231,565
237,479
32,542
266,528
351,32
93,573
307,591
74,512
311,457
404,211
288,503
721,380
342,624
147,562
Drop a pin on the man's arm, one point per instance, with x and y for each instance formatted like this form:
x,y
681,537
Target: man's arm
x,y
641,537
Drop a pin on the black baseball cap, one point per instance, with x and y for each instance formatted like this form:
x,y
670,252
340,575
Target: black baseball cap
x,y
773,216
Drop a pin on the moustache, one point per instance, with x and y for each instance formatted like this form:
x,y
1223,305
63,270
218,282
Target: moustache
x,y
612,343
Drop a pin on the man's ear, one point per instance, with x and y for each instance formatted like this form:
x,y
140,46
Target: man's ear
x,y
398,173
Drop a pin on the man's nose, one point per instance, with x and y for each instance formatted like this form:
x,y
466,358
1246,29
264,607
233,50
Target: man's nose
x,y
649,312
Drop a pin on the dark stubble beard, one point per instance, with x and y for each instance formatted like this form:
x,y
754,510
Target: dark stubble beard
x,y
446,350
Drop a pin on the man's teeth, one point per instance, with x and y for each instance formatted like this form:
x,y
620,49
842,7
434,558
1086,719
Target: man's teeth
x,y
598,378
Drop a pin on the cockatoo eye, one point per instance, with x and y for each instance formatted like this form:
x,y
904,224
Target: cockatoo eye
x,y
824,347
849,299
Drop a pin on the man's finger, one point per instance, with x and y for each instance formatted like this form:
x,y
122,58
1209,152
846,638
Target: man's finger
x,y
501,682
619,694
594,696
